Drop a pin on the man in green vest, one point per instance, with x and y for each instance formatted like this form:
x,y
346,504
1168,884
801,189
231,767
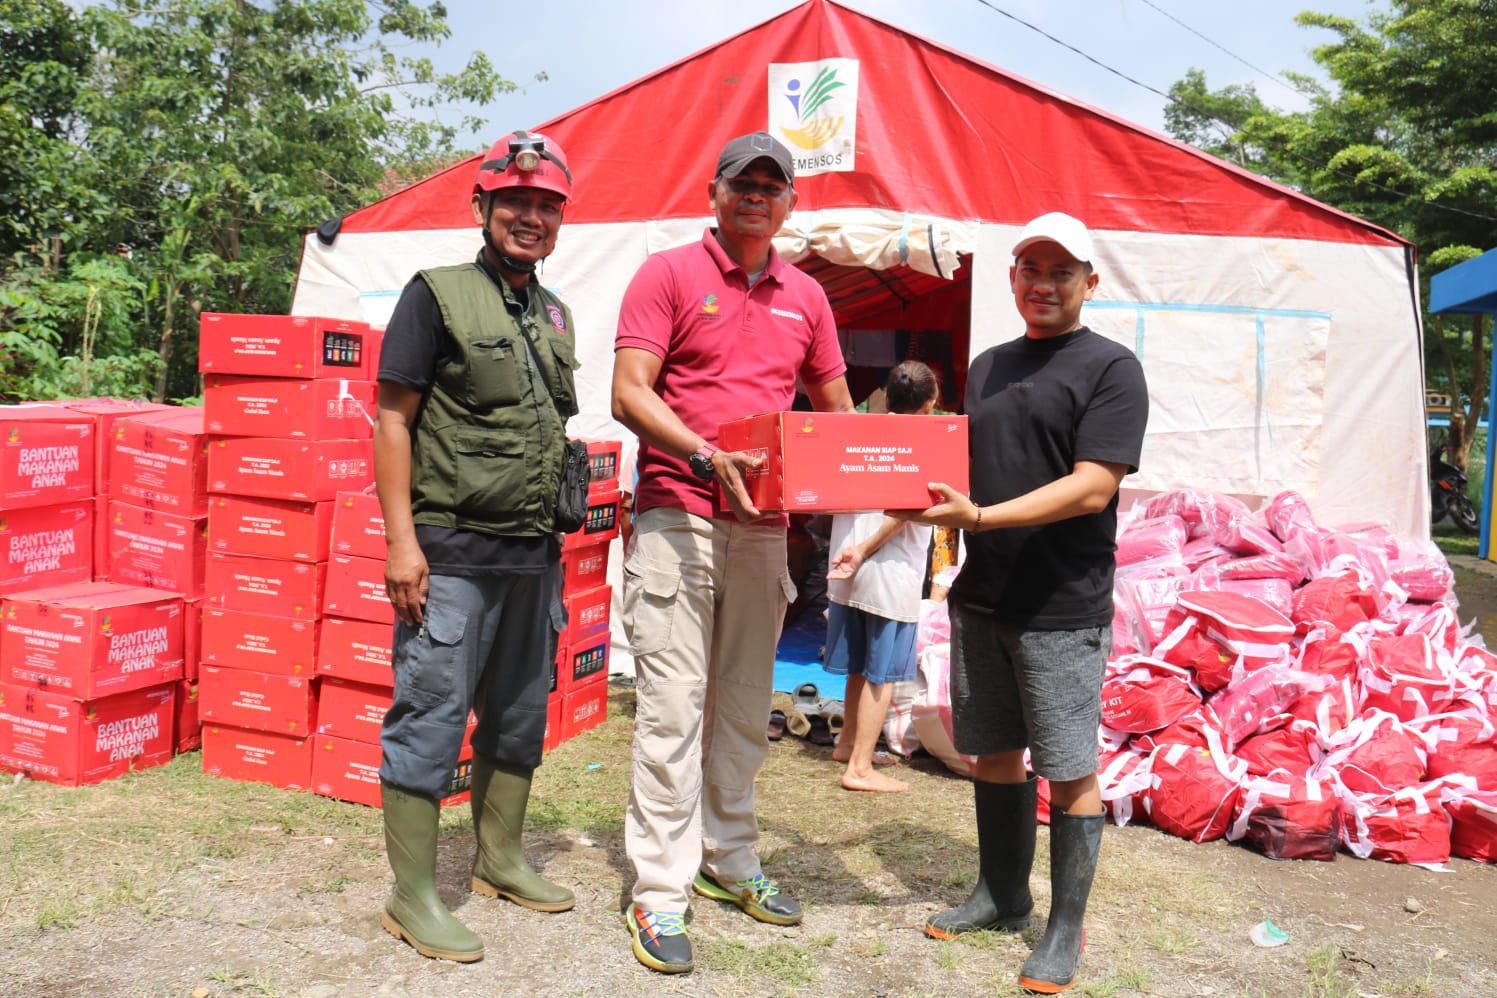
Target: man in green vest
x,y
475,387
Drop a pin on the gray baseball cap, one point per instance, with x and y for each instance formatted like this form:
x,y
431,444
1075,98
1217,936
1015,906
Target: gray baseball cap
x,y
740,152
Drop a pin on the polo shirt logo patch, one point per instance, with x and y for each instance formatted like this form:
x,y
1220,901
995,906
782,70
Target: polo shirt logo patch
x,y
554,313
709,304
787,314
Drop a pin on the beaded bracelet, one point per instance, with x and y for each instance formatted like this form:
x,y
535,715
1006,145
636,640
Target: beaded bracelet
x,y
978,525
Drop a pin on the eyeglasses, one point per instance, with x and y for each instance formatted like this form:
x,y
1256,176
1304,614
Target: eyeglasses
x,y
743,187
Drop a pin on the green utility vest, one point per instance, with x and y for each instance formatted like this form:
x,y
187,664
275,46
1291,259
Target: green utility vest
x,y
487,454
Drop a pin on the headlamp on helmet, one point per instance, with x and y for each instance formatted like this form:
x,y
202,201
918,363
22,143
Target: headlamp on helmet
x,y
523,159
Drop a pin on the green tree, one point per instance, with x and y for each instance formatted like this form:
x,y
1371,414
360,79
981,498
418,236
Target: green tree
x,y
214,133
1408,140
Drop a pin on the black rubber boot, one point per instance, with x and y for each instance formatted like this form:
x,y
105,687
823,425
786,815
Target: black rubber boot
x,y
1005,847
1075,840
414,912
500,796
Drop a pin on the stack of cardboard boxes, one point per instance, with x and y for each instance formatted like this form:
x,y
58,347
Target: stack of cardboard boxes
x,y
92,671
214,575
579,685
290,402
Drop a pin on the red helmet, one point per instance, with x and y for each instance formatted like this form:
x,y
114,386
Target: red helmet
x,y
525,159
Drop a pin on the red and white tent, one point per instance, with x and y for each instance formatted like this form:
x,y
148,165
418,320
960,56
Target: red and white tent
x,y
1280,336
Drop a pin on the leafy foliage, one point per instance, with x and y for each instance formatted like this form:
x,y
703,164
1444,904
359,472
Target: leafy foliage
x,y
194,142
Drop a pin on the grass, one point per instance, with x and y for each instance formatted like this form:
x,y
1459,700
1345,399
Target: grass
x,y
172,846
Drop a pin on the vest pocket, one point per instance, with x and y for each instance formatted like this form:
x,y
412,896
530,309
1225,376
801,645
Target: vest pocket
x,y
495,373
491,473
565,355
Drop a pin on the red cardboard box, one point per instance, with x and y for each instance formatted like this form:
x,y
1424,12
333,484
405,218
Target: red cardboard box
x,y
333,409
157,460
356,588
46,456
820,462
284,346
358,650
257,756
192,638
554,708
584,567
270,528
359,525
262,701
54,737
91,639
352,710
306,470
270,586
583,708
603,466
148,547
187,730
240,639
601,525
99,555
103,412
588,614
46,546
348,770
588,664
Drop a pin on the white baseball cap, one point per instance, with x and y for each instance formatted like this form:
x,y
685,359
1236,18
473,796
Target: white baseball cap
x,y
1058,227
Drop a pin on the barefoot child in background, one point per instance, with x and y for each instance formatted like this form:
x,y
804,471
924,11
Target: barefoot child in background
x,y
873,612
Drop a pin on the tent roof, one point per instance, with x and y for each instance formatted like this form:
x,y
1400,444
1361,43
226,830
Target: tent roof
x,y
938,133
1468,288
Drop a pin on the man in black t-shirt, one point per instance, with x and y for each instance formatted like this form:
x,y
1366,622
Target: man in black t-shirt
x,y
1056,419
475,387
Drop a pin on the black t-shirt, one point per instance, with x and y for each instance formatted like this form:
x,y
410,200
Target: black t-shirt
x,y
1035,407
416,341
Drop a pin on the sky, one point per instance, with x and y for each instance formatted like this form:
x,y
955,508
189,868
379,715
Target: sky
x,y
587,48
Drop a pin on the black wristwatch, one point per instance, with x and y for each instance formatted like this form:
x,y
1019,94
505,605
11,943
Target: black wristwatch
x,y
701,463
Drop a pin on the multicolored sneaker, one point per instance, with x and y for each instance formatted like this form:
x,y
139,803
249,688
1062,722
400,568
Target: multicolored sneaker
x,y
660,941
756,896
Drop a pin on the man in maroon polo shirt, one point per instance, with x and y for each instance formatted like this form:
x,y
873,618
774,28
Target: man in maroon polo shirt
x,y
710,332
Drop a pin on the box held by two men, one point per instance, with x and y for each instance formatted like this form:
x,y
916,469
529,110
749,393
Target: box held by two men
x,y
829,462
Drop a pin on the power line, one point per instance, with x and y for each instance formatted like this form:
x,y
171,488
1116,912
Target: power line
x,y
1353,178
1275,77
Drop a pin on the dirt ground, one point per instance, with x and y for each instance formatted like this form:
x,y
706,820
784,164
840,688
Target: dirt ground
x,y
301,918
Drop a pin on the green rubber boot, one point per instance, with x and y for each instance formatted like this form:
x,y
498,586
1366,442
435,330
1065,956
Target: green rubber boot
x,y
414,911
500,795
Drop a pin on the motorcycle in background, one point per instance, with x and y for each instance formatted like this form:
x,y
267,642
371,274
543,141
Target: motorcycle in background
x,y
1447,493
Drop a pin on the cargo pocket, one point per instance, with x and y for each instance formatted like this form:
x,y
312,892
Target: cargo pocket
x,y
435,665
650,606
491,472
788,591
494,373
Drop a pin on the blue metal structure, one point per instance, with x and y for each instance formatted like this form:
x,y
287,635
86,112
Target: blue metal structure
x,y
1470,288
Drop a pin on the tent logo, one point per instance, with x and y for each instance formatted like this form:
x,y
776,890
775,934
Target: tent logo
x,y
813,108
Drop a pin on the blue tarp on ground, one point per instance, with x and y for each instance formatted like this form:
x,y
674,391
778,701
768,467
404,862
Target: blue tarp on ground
x,y
798,656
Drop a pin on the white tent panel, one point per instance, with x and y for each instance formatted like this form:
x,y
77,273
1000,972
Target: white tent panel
x,y
1265,359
